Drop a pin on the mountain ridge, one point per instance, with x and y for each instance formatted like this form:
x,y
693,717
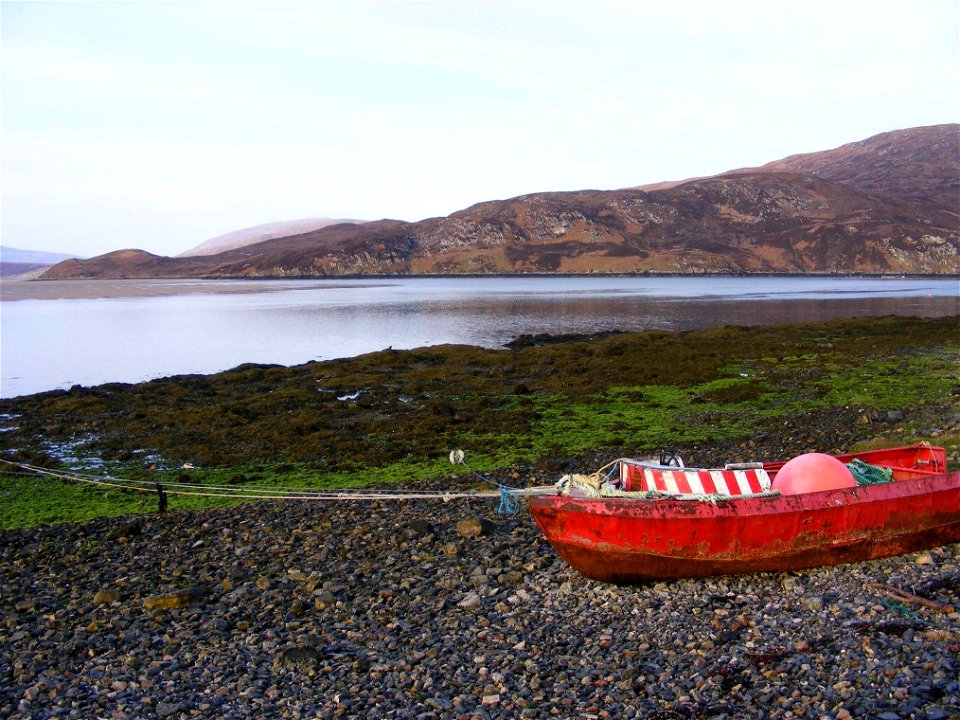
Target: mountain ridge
x,y
261,233
887,204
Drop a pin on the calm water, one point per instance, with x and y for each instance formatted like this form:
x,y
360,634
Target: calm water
x,y
171,327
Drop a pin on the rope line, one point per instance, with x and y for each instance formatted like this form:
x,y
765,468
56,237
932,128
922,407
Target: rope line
x,y
263,493
257,493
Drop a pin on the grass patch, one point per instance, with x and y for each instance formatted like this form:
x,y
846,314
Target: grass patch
x,y
894,382
27,501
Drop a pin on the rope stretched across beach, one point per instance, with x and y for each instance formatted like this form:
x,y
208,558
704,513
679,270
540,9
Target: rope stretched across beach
x,y
508,502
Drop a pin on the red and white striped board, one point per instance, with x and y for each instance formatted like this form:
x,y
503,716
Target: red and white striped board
x,y
681,481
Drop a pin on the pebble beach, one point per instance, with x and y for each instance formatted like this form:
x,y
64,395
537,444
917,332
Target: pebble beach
x,y
428,609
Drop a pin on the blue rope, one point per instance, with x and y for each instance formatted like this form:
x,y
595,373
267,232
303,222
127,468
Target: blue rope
x,y
900,607
509,505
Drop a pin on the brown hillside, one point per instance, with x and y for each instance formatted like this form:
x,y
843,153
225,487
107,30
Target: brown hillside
x,y
887,204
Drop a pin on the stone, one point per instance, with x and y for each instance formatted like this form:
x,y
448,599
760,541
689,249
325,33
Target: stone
x,y
166,709
324,599
421,527
813,603
126,530
471,601
300,656
105,597
474,527
177,599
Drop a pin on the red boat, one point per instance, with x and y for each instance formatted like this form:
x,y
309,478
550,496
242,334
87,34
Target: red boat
x,y
646,521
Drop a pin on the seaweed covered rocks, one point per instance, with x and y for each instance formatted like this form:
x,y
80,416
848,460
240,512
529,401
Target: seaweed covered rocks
x,y
717,395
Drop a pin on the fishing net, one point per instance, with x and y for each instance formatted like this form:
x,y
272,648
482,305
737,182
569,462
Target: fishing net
x,y
866,474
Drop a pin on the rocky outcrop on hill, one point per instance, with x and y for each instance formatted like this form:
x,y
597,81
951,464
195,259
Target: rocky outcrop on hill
x,y
887,204
920,162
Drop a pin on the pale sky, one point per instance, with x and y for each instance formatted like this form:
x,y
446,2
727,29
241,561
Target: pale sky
x,y
161,125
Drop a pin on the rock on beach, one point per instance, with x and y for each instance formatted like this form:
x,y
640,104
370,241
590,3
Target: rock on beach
x,y
362,610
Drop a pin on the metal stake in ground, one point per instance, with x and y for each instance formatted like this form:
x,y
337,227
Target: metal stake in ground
x,y
161,498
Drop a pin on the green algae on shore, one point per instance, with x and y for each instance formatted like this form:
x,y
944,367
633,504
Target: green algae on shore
x,y
393,416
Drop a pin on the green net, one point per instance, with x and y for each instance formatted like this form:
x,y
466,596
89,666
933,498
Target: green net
x,y
866,474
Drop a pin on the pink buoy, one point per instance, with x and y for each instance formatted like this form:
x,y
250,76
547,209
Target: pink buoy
x,y
812,472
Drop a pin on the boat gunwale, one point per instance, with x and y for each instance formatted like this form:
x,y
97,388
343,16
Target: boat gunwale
x,y
736,505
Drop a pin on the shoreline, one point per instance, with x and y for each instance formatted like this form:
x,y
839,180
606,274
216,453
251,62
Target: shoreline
x,y
123,288
12,290
717,396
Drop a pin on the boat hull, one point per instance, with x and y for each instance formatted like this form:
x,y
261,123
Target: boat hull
x,y
629,541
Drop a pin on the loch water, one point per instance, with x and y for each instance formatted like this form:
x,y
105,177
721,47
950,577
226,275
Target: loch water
x,y
140,330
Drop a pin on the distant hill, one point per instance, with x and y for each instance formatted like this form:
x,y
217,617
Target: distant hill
x,y
15,262
890,203
15,255
260,233
919,162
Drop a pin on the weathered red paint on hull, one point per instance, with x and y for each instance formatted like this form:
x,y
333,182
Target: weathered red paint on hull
x,y
628,541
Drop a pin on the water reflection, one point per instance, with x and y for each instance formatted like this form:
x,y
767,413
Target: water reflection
x,y
56,343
